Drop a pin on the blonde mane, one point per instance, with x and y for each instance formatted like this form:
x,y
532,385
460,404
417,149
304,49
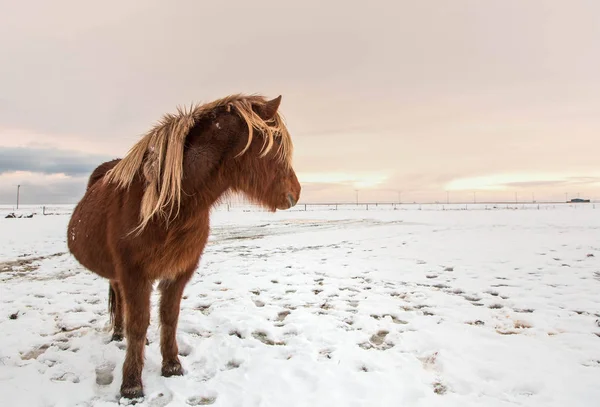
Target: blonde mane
x,y
159,153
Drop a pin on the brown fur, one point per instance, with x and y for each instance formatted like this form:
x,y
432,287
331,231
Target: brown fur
x,y
163,191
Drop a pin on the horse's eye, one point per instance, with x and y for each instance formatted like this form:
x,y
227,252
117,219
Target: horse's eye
x,y
278,140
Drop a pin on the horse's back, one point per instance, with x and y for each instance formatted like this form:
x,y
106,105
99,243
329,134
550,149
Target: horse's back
x,y
101,170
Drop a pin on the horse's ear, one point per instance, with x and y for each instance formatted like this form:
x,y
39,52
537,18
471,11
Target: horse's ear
x,y
268,111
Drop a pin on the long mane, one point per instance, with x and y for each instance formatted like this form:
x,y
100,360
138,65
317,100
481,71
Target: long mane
x,y
158,155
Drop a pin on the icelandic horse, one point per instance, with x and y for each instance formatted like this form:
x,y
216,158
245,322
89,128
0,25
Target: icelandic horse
x,y
145,217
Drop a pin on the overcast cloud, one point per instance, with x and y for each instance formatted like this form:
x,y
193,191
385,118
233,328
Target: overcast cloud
x,y
48,161
393,95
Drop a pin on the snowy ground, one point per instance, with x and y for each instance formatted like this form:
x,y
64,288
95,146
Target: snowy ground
x,y
327,308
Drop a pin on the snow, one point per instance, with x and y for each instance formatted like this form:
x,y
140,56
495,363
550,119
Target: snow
x,y
326,308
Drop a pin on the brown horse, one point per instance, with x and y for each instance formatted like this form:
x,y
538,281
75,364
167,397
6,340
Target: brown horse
x,y
146,217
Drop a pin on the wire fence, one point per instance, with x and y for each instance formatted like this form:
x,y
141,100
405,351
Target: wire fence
x,y
379,206
50,210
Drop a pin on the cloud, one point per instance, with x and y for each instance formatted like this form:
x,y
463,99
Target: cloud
x,y
48,161
41,189
524,180
582,181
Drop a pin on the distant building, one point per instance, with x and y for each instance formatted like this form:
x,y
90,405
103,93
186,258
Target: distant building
x,y
579,200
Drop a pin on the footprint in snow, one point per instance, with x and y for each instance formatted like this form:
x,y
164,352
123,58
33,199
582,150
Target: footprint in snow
x,y
439,388
104,374
523,310
159,399
325,353
263,337
35,353
204,308
377,341
233,364
201,400
282,316
65,377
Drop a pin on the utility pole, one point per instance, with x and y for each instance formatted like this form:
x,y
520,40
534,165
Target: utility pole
x,y
474,197
448,197
532,197
356,196
516,198
18,191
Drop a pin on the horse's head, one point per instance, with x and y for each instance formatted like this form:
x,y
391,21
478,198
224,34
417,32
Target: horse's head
x,y
246,145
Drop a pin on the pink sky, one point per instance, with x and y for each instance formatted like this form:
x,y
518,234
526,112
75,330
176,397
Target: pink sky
x,y
416,98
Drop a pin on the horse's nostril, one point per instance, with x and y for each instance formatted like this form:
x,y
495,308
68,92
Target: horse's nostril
x,y
291,200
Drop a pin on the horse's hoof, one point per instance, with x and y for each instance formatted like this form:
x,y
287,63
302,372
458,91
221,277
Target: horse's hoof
x,y
116,337
132,392
172,369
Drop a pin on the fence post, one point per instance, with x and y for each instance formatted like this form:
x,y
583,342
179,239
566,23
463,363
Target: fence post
x,y
44,210
304,207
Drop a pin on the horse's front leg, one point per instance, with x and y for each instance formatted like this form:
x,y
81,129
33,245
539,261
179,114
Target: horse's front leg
x,y
170,300
135,293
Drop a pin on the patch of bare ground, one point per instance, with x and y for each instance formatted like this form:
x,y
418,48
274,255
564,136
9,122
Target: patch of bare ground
x,y
24,265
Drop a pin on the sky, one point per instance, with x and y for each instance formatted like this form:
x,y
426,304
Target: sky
x,y
385,100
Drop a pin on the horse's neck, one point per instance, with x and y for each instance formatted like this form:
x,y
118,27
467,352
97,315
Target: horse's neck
x,y
202,197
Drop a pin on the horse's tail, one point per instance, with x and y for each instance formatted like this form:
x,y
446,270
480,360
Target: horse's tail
x,y
112,303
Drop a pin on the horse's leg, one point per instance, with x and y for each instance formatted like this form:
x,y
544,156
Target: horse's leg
x,y
170,300
135,292
115,301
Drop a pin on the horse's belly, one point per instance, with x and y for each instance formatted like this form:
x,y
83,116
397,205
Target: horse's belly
x,y
86,240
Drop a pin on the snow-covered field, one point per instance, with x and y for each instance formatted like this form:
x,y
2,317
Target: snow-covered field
x,y
327,308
